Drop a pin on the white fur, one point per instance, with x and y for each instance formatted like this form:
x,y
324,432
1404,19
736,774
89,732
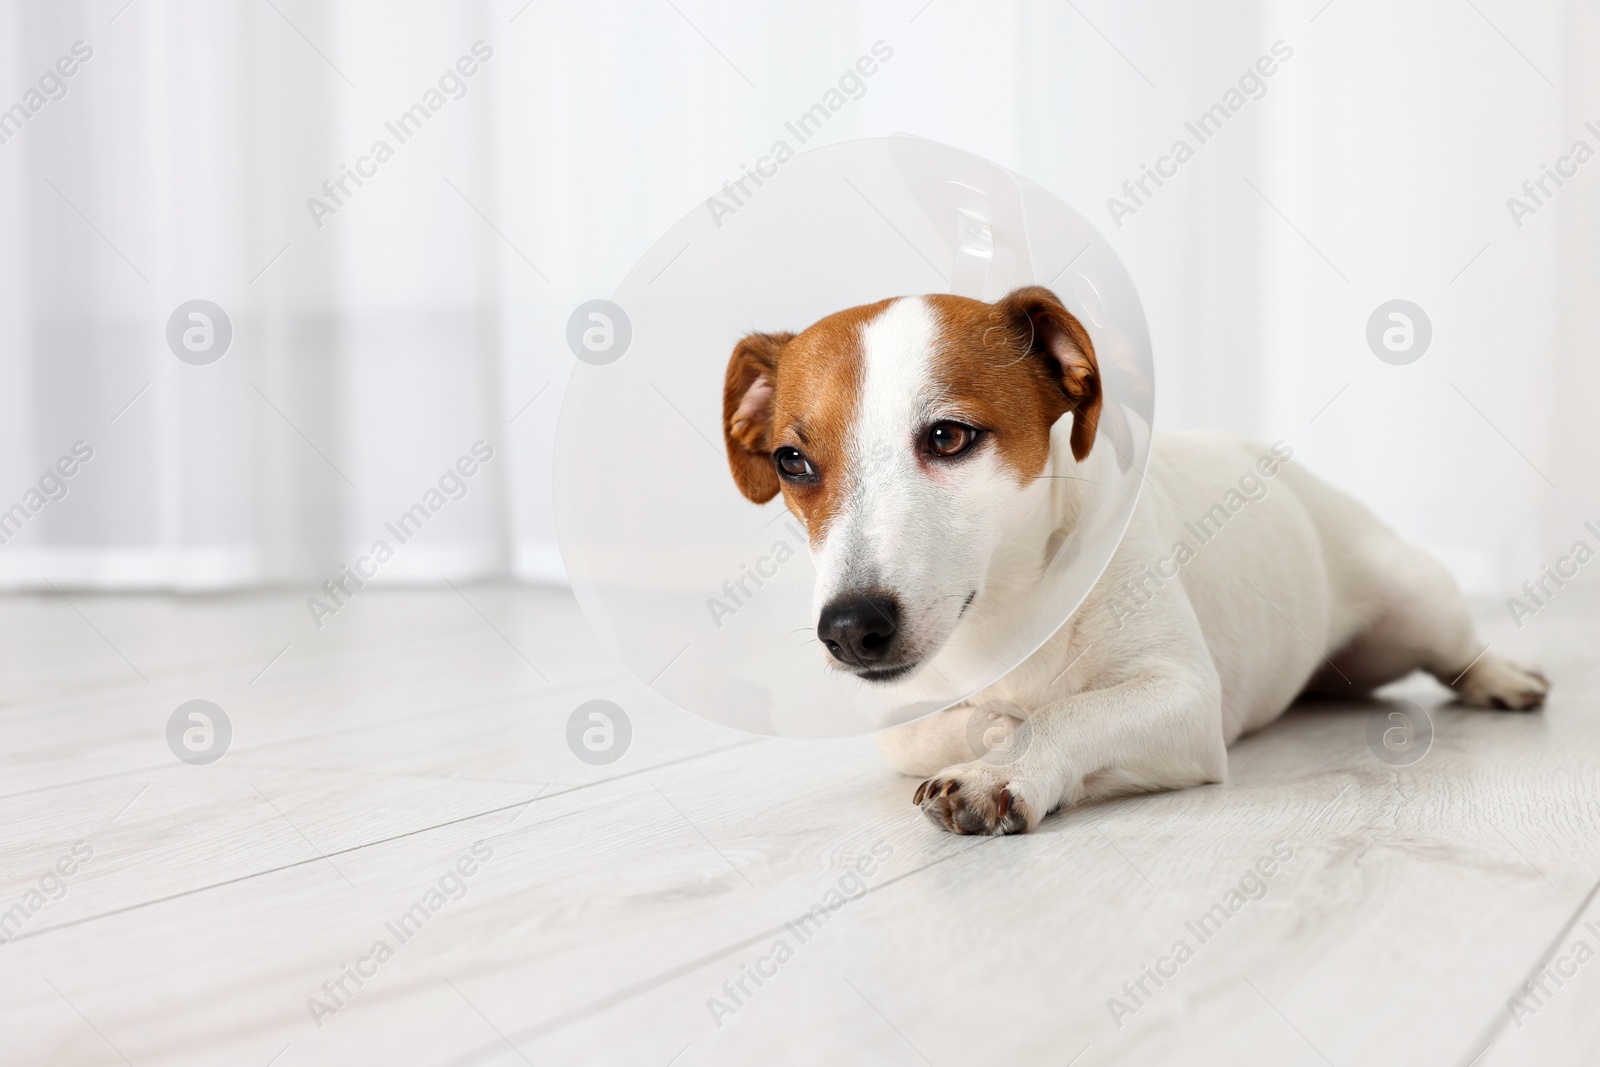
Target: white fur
x,y
1301,575
1302,589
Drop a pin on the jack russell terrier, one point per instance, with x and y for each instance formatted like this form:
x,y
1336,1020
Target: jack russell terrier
x,y
1310,594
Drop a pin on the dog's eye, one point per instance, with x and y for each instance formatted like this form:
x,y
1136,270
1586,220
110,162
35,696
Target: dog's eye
x,y
946,439
792,463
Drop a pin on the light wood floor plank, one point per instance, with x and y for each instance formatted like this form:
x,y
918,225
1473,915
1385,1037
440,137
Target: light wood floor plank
x,y
621,899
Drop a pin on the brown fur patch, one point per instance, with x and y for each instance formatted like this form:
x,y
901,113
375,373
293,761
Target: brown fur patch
x,y
815,381
997,368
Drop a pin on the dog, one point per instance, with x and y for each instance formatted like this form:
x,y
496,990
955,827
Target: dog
x,y
914,437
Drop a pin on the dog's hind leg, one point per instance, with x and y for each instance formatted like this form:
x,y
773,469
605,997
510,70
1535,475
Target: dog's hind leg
x,y
1397,610
1415,618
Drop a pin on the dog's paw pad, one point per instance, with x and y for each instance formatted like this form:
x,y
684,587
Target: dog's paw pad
x,y
973,800
1494,682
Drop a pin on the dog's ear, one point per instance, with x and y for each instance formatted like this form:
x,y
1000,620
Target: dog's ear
x,y
1053,333
747,396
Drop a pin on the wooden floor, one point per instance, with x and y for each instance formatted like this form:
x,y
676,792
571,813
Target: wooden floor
x,y
621,907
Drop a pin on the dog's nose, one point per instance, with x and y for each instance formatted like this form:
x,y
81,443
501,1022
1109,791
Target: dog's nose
x,y
859,630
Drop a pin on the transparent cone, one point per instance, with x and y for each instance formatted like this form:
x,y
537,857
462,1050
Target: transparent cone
x,y
706,597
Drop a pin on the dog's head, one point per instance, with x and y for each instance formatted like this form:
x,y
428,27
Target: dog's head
x,y
910,436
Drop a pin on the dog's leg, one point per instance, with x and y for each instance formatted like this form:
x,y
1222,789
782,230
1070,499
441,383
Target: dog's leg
x,y
1420,621
1497,682
1125,702
1138,708
963,732
1436,618
1401,612
1158,730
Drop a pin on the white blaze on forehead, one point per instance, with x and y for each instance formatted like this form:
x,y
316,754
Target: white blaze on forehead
x,y
897,360
868,538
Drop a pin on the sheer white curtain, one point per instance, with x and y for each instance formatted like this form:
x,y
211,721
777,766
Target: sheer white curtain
x,y
204,151
381,335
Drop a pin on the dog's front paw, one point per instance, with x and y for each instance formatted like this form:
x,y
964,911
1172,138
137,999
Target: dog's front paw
x,y
977,798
